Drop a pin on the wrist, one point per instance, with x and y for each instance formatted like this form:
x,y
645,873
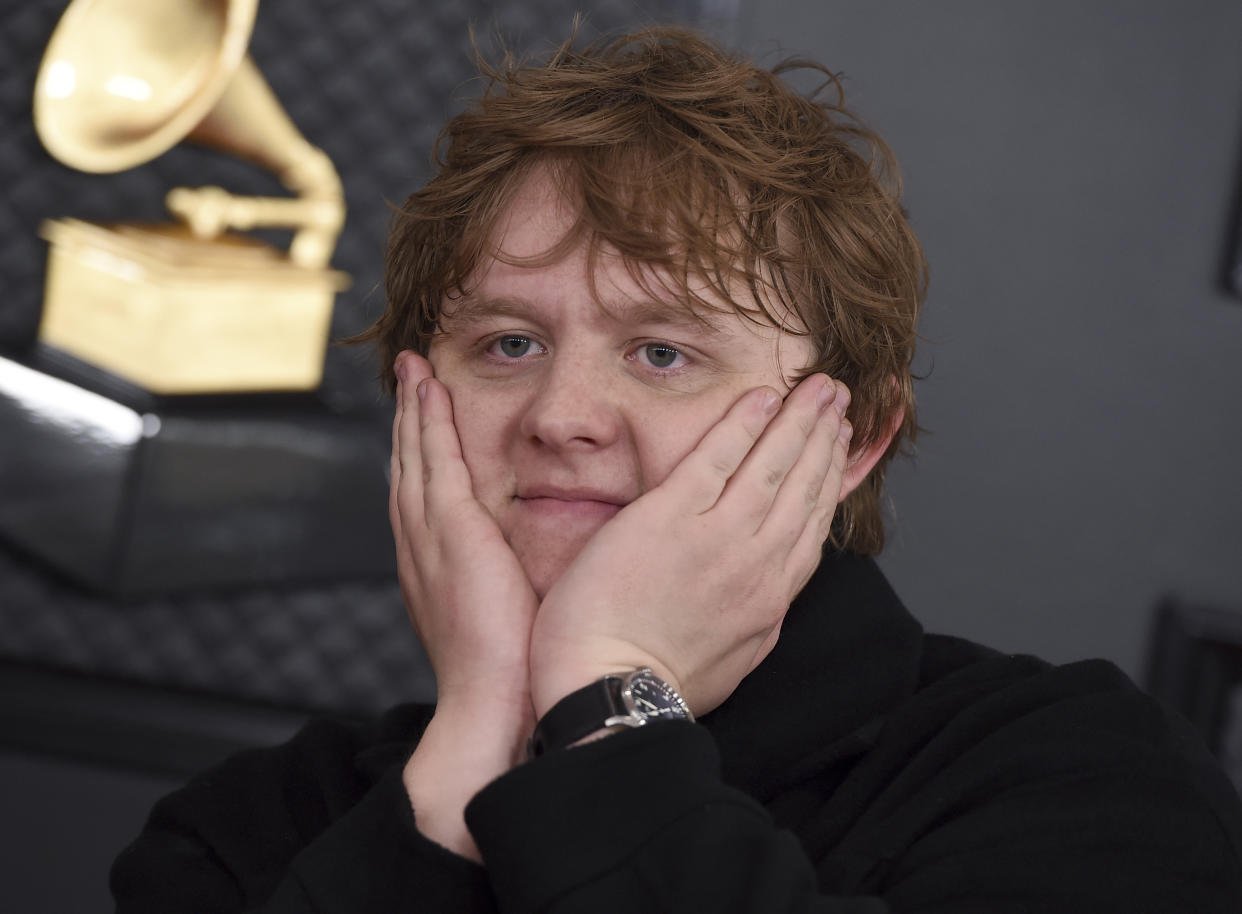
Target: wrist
x,y
495,705
464,748
617,701
554,679
562,682
474,737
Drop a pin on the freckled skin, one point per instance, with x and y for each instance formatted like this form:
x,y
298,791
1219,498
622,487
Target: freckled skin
x,y
550,390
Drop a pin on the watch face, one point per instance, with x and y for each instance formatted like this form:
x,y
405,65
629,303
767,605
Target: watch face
x,y
651,697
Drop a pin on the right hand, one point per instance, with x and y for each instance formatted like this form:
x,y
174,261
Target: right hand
x,y
470,603
464,588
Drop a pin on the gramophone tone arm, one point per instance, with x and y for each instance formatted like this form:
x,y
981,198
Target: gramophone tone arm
x,y
209,211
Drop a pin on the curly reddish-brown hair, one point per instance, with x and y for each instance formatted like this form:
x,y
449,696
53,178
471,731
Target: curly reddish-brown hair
x,y
704,171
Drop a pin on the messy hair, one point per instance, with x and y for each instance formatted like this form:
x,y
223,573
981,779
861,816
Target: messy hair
x,y
710,177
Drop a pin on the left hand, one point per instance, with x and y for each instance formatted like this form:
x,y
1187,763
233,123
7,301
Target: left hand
x,y
693,579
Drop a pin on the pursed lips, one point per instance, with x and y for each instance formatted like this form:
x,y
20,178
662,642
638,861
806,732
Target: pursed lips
x,y
570,502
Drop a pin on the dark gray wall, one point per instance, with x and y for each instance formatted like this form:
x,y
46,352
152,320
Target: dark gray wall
x,y
1070,169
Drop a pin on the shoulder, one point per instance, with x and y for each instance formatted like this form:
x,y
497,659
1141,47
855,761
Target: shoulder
x,y
1000,767
1080,734
970,685
1089,706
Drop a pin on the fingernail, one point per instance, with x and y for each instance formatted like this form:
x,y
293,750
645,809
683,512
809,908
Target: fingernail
x,y
771,402
422,388
846,433
827,393
843,399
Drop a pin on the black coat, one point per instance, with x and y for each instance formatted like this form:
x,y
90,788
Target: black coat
x,y
863,767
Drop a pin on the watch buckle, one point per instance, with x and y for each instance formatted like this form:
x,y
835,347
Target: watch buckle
x,y
625,720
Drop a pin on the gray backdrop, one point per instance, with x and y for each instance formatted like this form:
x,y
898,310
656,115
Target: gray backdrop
x,y
1070,168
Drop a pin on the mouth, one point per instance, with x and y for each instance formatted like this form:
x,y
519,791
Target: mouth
x,y
571,502
559,493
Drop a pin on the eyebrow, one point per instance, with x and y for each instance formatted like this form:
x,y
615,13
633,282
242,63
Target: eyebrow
x,y
469,307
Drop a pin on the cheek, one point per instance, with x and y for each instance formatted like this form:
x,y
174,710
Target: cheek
x,y
665,435
484,420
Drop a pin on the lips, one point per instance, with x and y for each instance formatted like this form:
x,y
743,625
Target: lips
x,y
560,493
565,503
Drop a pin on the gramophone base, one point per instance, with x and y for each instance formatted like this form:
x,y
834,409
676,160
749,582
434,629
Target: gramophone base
x,y
178,315
131,495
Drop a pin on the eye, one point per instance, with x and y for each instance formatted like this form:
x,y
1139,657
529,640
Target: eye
x,y
512,347
658,355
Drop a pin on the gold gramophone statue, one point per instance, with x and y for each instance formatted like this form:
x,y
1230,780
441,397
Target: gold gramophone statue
x,y
192,306
113,473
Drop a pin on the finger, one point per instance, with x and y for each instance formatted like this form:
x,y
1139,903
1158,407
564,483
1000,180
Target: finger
x,y
751,491
802,488
807,552
394,465
445,478
697,481
407,446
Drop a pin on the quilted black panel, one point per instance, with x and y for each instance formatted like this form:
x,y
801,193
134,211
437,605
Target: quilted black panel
x,y
370,81
345,648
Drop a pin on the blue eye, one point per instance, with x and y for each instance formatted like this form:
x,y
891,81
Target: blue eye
x,y
513,347
661,356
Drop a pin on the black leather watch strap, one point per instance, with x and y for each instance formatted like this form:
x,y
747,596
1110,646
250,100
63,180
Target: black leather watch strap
x,y
578,714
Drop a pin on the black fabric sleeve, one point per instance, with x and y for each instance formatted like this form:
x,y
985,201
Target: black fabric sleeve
x,y
640,821
1062,792
297,829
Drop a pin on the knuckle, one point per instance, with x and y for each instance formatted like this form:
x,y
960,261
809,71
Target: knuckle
x,y
720,466
811,494
404,491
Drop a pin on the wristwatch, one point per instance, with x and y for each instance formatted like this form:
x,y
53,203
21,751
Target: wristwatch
x,y
631,699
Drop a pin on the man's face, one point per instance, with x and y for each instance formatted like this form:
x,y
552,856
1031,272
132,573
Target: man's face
x,y
567,411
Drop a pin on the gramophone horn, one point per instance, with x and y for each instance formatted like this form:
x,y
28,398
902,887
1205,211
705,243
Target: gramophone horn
x,y
123,81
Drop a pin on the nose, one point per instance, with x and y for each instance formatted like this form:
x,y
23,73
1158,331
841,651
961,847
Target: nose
x,y
573,406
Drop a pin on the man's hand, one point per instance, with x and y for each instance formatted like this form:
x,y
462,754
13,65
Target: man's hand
x,y
694,578
469,601
467,595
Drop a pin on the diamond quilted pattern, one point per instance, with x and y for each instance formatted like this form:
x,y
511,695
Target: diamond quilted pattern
x,y
343,648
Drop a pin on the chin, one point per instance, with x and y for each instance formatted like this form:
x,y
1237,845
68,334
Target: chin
x,y
546,547
544,567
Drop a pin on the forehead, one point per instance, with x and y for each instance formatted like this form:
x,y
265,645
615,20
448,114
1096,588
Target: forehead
x,y
537,217
484,303
541,237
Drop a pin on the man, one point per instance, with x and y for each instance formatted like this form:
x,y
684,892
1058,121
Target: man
x,y
651,328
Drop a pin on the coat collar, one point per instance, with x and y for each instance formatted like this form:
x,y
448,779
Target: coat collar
x,y
848,653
